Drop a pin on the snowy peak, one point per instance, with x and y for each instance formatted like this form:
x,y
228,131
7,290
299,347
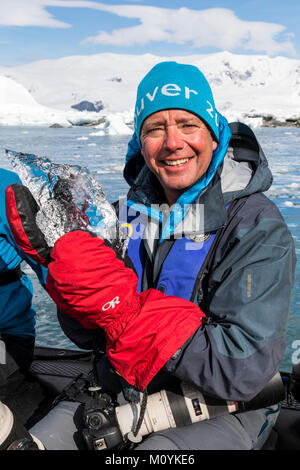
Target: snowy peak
x,y
18,107
244,86
12,93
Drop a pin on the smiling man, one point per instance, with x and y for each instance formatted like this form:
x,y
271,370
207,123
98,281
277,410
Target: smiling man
x,y
213,315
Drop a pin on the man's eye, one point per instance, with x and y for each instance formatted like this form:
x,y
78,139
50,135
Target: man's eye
x,y
188,127
155,129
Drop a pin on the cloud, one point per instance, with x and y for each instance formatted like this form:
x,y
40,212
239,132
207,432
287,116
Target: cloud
x,y
24,13
34,12
213,27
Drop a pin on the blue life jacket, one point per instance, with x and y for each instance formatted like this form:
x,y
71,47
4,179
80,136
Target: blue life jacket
x,y
180,261
180,270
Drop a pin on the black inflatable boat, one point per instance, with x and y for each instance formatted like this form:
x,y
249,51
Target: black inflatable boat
x,y
55,370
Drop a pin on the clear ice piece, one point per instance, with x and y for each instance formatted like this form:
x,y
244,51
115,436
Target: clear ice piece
x,y
69,198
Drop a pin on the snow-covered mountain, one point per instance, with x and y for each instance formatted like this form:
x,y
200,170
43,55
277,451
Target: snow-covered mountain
x,y
245,87
19,107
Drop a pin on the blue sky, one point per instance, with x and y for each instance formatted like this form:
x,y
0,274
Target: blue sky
x,y
43,29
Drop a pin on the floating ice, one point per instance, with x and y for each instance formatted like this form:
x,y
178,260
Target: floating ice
x,y
69,198
288,203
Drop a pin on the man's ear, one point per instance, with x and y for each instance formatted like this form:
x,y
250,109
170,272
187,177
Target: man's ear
x,y
142,150
214,145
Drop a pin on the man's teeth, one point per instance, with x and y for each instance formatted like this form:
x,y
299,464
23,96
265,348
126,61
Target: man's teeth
x,y
176,162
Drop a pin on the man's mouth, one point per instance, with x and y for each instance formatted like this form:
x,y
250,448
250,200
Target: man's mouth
x,y
178,162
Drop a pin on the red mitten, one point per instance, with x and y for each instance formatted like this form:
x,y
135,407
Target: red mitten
x,y
21,210
88,282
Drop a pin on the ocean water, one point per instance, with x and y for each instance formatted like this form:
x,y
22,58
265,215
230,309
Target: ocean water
x,y
104,156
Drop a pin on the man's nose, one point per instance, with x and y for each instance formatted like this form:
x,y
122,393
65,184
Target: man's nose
x,y
173,138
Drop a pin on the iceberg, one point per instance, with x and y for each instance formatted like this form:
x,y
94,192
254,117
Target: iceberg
x,y
69,199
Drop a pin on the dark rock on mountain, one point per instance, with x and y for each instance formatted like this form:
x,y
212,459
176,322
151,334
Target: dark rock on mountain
x,y
89,106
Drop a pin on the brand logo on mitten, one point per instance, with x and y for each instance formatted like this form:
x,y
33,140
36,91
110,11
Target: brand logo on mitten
x,y
110,304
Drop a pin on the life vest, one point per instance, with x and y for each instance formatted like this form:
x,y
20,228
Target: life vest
x,y
181,261
181,268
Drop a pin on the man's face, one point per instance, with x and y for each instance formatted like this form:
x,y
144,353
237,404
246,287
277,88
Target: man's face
x,y
177,147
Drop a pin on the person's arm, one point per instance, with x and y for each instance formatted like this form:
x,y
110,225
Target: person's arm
x,y
40,271
9,254
235,355
84,338
11,257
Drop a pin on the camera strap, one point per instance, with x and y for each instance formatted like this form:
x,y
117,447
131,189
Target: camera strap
x,y
79,389
136,425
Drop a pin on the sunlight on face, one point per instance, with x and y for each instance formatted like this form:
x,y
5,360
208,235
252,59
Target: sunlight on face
x,y
177,147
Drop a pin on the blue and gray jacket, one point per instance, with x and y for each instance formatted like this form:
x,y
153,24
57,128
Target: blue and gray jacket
x,y
17,315
245,286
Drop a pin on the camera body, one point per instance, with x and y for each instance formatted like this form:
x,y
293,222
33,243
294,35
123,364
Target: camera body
x,y
101,430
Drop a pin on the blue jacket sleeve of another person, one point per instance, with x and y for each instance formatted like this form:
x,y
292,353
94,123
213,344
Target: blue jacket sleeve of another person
x,y
17,315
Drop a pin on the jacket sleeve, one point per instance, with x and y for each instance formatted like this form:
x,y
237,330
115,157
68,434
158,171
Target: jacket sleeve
x,y
39,270
11,255
249,292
